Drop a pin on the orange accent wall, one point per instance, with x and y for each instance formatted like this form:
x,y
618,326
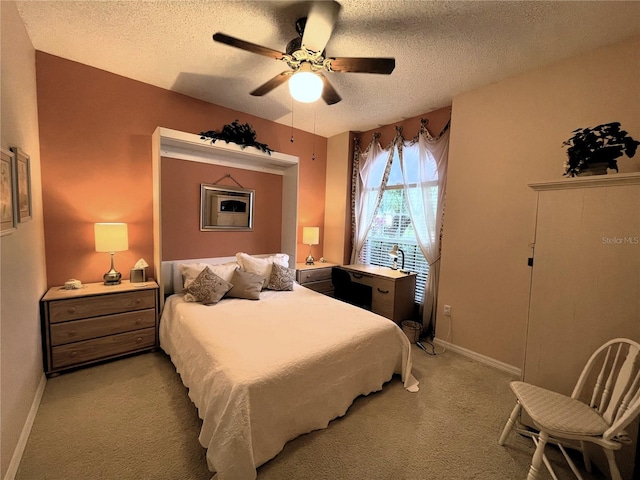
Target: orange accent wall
x,y
182,238
95,140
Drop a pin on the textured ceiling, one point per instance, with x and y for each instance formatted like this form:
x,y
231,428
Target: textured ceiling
x,y
442,48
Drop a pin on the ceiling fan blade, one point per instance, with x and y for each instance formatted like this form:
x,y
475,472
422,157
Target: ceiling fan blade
x,y
329,94
363,65
248,46
321,19
271,84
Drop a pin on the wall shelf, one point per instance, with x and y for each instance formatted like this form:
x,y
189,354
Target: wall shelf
x,y
187,146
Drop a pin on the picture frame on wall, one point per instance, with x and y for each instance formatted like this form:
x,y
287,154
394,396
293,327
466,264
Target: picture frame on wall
x,y
23,184
7,196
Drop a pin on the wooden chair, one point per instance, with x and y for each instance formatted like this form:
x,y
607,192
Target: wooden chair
x,y
609,382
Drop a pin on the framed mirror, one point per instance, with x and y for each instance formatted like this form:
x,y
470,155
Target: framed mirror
x,y
225,208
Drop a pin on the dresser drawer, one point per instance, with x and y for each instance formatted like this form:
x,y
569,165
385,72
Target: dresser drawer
x,y
88,350
73,331
99,305
324,286
314,275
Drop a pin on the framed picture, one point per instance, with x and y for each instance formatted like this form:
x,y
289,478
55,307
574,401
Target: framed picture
x,y
225,208
7,206
23,183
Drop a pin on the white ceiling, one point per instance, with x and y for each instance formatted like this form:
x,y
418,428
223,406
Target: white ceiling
x,y
442,48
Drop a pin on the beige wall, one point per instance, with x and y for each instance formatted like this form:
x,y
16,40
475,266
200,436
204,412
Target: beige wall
x,y
504,136
337,209
22,277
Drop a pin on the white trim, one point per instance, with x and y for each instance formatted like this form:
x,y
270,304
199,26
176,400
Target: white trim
x,y
632,178
26,431
491,362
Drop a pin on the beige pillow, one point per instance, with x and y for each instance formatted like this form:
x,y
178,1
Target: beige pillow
x,y
246,285
207,288
190,271
261,265
281,278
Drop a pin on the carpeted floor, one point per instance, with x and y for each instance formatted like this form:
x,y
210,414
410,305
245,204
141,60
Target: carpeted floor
x,y
131,419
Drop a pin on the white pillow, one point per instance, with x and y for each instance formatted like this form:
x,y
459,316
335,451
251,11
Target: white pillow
x,y
261,265
190,272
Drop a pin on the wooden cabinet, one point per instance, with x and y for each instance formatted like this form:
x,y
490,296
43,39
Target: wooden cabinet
x,y
316,277
585,286
97,322
392,292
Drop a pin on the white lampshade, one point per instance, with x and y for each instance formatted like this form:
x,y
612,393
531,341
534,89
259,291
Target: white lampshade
x,y
304,85
111,237
311,235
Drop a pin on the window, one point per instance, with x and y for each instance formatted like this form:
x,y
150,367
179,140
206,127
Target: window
x,y
392,224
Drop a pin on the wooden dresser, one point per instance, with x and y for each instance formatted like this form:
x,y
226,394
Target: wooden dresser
x,y
316,277
97,322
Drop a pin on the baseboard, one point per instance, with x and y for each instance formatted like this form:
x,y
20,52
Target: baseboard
x,y
26,430
491,362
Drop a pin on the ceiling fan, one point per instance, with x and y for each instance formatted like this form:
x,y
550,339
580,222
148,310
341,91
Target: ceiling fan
x,y
305,54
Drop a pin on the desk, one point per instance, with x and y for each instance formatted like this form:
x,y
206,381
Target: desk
x,y
392,292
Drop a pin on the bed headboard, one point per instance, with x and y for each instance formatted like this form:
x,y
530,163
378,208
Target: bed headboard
x,y
171,274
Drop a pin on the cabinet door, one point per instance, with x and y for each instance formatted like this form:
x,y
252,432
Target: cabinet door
x,y
586,284
586,281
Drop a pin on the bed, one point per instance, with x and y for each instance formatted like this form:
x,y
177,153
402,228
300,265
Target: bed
x,y
262,372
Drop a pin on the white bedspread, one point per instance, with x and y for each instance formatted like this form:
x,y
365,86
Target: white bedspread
x,y
262,372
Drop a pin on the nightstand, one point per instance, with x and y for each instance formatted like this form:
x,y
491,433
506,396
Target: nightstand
x,y
316,277
97,322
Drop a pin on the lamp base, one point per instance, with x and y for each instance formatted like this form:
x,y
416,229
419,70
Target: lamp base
x,y
310,260
112,277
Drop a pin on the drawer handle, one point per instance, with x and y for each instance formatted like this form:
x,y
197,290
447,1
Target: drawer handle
x,y
73,332
357,275
71,309
74,354
383,291
138,339
138,301
138,321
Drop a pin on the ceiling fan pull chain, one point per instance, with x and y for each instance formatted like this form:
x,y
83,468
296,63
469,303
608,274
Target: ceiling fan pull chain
x,y
313,144
291,119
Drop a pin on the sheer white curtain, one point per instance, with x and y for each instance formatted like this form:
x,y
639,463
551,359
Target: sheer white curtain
x,y
424,171
373,171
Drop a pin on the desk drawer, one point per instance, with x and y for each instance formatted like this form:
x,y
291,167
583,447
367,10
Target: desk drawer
x,y
100,305
85,351
383,298
74,331
314,275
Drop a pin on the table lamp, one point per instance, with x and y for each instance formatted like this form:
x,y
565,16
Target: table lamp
x,y
310,236
394,254
111,237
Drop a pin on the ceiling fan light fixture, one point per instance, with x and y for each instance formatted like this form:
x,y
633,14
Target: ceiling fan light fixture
x,y
304,85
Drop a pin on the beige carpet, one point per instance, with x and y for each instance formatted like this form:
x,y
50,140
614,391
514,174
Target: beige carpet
x,y
131,419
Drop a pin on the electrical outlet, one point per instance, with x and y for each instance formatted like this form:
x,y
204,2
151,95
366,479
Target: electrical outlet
x,y
447,310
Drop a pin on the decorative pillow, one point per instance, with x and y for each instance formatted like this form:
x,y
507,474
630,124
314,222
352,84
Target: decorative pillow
x,y
281,278
246,285
190,271
261,265
208,288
